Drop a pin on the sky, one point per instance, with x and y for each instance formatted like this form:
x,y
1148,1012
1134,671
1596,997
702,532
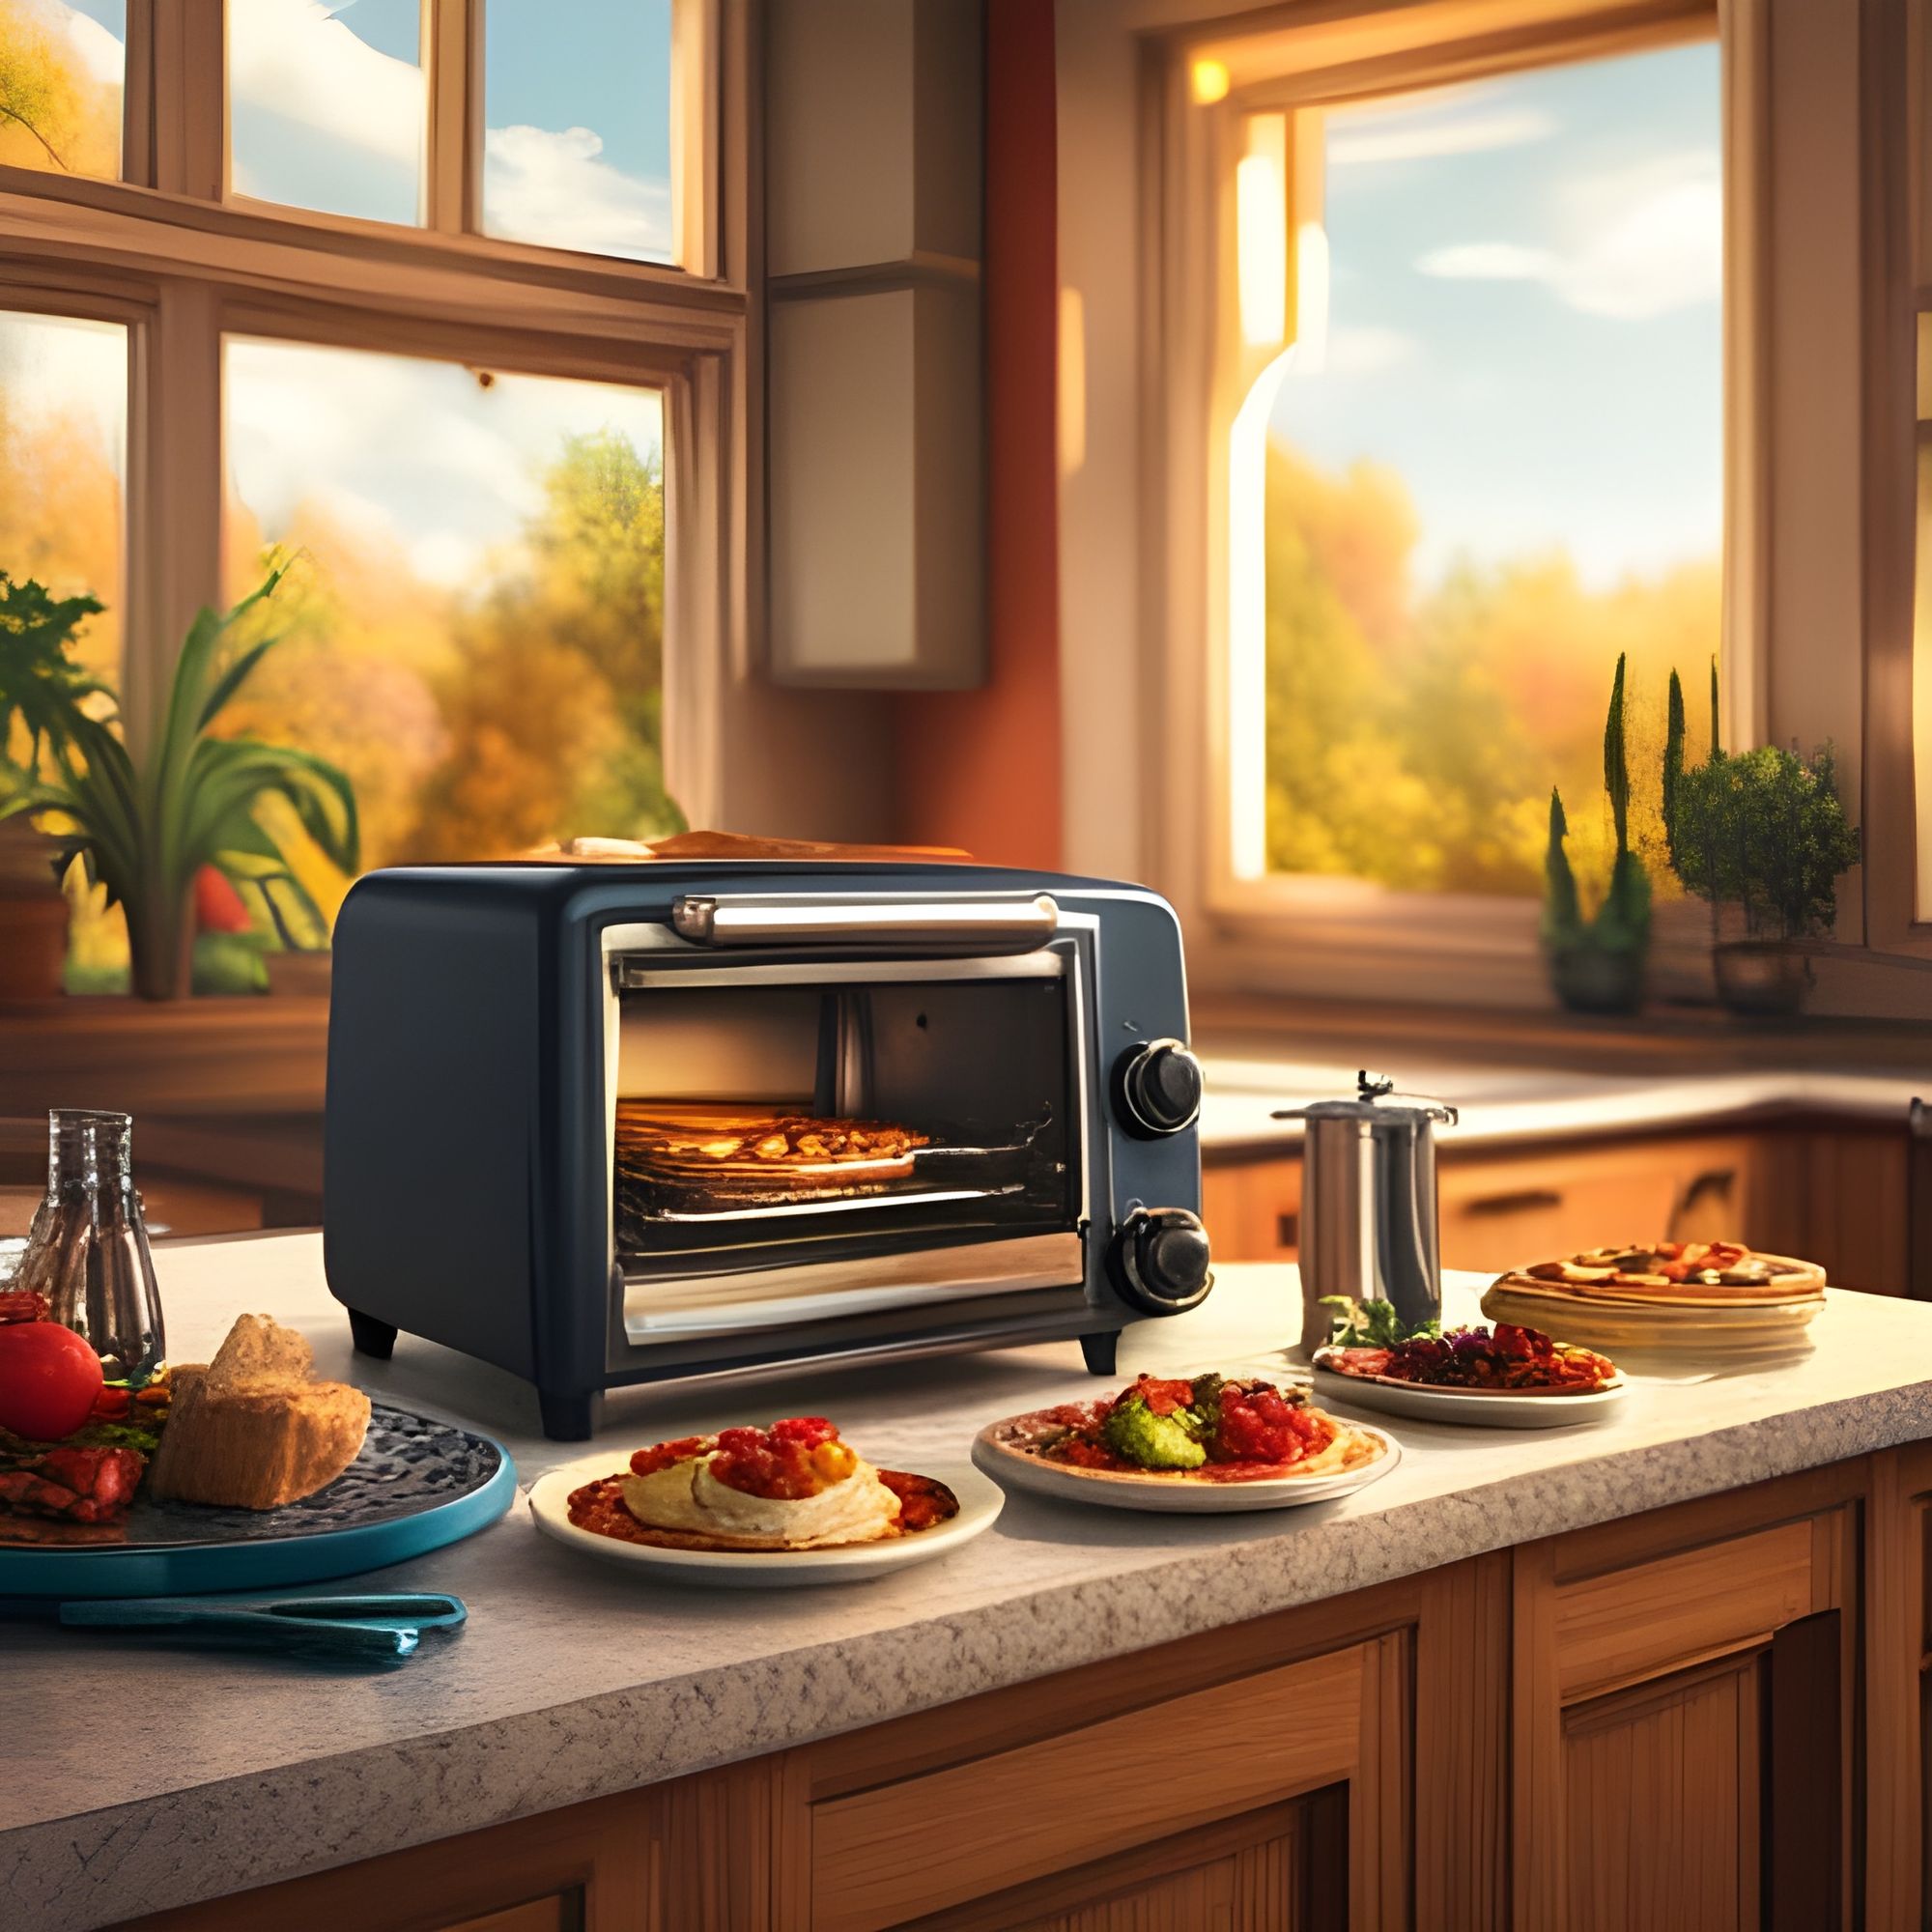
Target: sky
x,y
1524,316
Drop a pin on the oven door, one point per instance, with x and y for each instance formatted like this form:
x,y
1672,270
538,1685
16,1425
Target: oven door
x,y
887,1144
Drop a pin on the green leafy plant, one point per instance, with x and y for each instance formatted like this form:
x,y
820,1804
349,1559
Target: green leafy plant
x,y
144,825
1371,1324
1763,830
1598,962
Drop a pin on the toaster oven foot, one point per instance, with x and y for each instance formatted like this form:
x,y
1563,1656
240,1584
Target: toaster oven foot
x,y
371,1336
1099,1352
568,1418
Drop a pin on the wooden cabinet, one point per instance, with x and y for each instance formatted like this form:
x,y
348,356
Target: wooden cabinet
x,y
1833,1194
1711,1716
1681,1726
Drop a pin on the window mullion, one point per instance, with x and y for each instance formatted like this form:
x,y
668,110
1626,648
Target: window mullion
x,y
174,471
188,119
453,43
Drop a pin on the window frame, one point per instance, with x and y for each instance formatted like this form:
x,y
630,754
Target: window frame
x,y
1307,934
168,251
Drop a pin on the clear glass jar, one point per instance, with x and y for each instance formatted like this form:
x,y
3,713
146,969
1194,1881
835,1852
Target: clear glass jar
x,y
87,1250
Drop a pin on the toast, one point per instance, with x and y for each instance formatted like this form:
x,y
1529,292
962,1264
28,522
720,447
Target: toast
x,y
254,1428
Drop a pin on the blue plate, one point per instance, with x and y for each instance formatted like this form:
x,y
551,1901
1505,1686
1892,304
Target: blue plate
x,y
415,1486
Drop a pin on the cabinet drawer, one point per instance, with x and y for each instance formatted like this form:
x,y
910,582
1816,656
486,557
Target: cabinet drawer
x,y
1503,1212
922,1844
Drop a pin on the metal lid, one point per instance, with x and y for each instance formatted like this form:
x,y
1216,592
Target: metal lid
x,y
1376,1100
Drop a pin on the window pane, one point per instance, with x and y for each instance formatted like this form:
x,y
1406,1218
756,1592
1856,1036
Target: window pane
x,y
476,608
63,475
61,65
327,106
1493,464
577,141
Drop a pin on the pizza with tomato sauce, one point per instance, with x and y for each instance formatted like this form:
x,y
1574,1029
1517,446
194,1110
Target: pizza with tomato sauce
x,y
1674,1270
1205,1429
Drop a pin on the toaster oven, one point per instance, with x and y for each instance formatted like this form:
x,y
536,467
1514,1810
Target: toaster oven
x,y
603,1125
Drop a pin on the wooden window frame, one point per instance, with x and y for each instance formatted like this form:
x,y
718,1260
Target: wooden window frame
x,y
1308,934
1895,149
168,251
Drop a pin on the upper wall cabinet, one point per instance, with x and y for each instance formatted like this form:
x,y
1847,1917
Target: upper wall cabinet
x,y
877,476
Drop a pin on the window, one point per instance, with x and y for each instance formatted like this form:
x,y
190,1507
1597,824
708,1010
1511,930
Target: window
x,y
475,612
1491,465
329,106
577,142
506,485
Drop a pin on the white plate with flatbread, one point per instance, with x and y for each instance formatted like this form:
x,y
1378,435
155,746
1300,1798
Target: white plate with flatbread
x,y
979,1504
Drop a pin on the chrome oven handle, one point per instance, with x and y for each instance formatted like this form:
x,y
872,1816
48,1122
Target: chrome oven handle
x,y
964,926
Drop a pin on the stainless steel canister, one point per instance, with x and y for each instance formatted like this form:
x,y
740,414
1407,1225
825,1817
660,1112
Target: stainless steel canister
x,y
1368,1203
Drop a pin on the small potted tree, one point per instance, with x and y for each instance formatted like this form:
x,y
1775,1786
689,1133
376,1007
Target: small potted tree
x,y
1763,836
1597,964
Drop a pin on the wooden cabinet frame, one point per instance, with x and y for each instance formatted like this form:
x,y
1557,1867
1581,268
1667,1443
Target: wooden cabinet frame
x,y
1420,1779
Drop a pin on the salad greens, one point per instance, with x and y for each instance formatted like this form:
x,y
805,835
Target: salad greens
x,y
1372,1325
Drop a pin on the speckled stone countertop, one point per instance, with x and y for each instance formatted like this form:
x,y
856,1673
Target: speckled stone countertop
x,y
1520,1103
139,1777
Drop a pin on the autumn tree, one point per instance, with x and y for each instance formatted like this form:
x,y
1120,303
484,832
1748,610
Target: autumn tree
x,y
53,112
1413,738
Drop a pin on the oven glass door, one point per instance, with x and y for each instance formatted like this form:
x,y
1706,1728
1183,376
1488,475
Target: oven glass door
x,y
803,1142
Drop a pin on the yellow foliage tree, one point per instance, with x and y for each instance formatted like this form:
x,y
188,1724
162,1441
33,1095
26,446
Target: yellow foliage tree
x,y
53,112
1415,742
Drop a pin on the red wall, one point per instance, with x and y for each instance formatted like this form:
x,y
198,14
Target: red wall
x,y
980,769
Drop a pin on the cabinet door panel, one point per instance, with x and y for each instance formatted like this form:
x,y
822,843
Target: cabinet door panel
x,y
1665,1790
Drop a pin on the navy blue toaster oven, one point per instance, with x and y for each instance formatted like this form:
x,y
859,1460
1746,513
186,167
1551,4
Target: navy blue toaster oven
x,y
603,1125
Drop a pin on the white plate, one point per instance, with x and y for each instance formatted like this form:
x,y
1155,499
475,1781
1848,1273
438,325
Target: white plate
x,y
980,1506
1466,1405
1177,1494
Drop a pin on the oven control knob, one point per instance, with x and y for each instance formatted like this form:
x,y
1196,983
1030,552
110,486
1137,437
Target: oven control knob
x,y
1157,1088
1160,1260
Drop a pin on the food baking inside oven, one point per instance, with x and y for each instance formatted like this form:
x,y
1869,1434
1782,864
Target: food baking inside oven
x,y
747,1113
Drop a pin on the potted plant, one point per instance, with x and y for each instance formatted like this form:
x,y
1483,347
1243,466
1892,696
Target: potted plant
x,y
145,827
1764,834
1597,965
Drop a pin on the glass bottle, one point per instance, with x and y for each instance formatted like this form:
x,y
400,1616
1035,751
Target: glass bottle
x,y
87,1250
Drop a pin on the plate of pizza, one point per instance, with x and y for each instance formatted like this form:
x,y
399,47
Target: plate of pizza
x,y
1689,1275
1207,1443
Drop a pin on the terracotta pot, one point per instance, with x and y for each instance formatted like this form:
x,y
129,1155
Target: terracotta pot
x,y
33,914
1764,979
33,946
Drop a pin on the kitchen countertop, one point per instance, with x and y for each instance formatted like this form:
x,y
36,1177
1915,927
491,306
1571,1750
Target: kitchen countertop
x,y
140,1777
1527,1103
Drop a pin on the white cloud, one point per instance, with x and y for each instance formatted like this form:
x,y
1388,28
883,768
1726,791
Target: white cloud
x,y
1489,262
1651,243
415,452
294,59
1367,348
555,188
59,368
1439,134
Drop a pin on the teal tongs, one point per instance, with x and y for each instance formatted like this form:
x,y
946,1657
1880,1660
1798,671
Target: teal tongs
x,y
369,1629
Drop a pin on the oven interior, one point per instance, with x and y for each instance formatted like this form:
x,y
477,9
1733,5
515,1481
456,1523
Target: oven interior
x,y
759,1119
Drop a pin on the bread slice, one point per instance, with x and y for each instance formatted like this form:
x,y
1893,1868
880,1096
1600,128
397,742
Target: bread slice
x,y
254,1430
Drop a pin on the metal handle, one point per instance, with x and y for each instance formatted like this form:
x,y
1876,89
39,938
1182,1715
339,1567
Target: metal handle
x,y
966,925
1520,1203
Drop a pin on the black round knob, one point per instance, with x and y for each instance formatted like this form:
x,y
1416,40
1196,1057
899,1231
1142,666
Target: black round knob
x,y
1157,1088
1160,1260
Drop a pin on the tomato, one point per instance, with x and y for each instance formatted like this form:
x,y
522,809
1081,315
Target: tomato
x,y
49,1380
